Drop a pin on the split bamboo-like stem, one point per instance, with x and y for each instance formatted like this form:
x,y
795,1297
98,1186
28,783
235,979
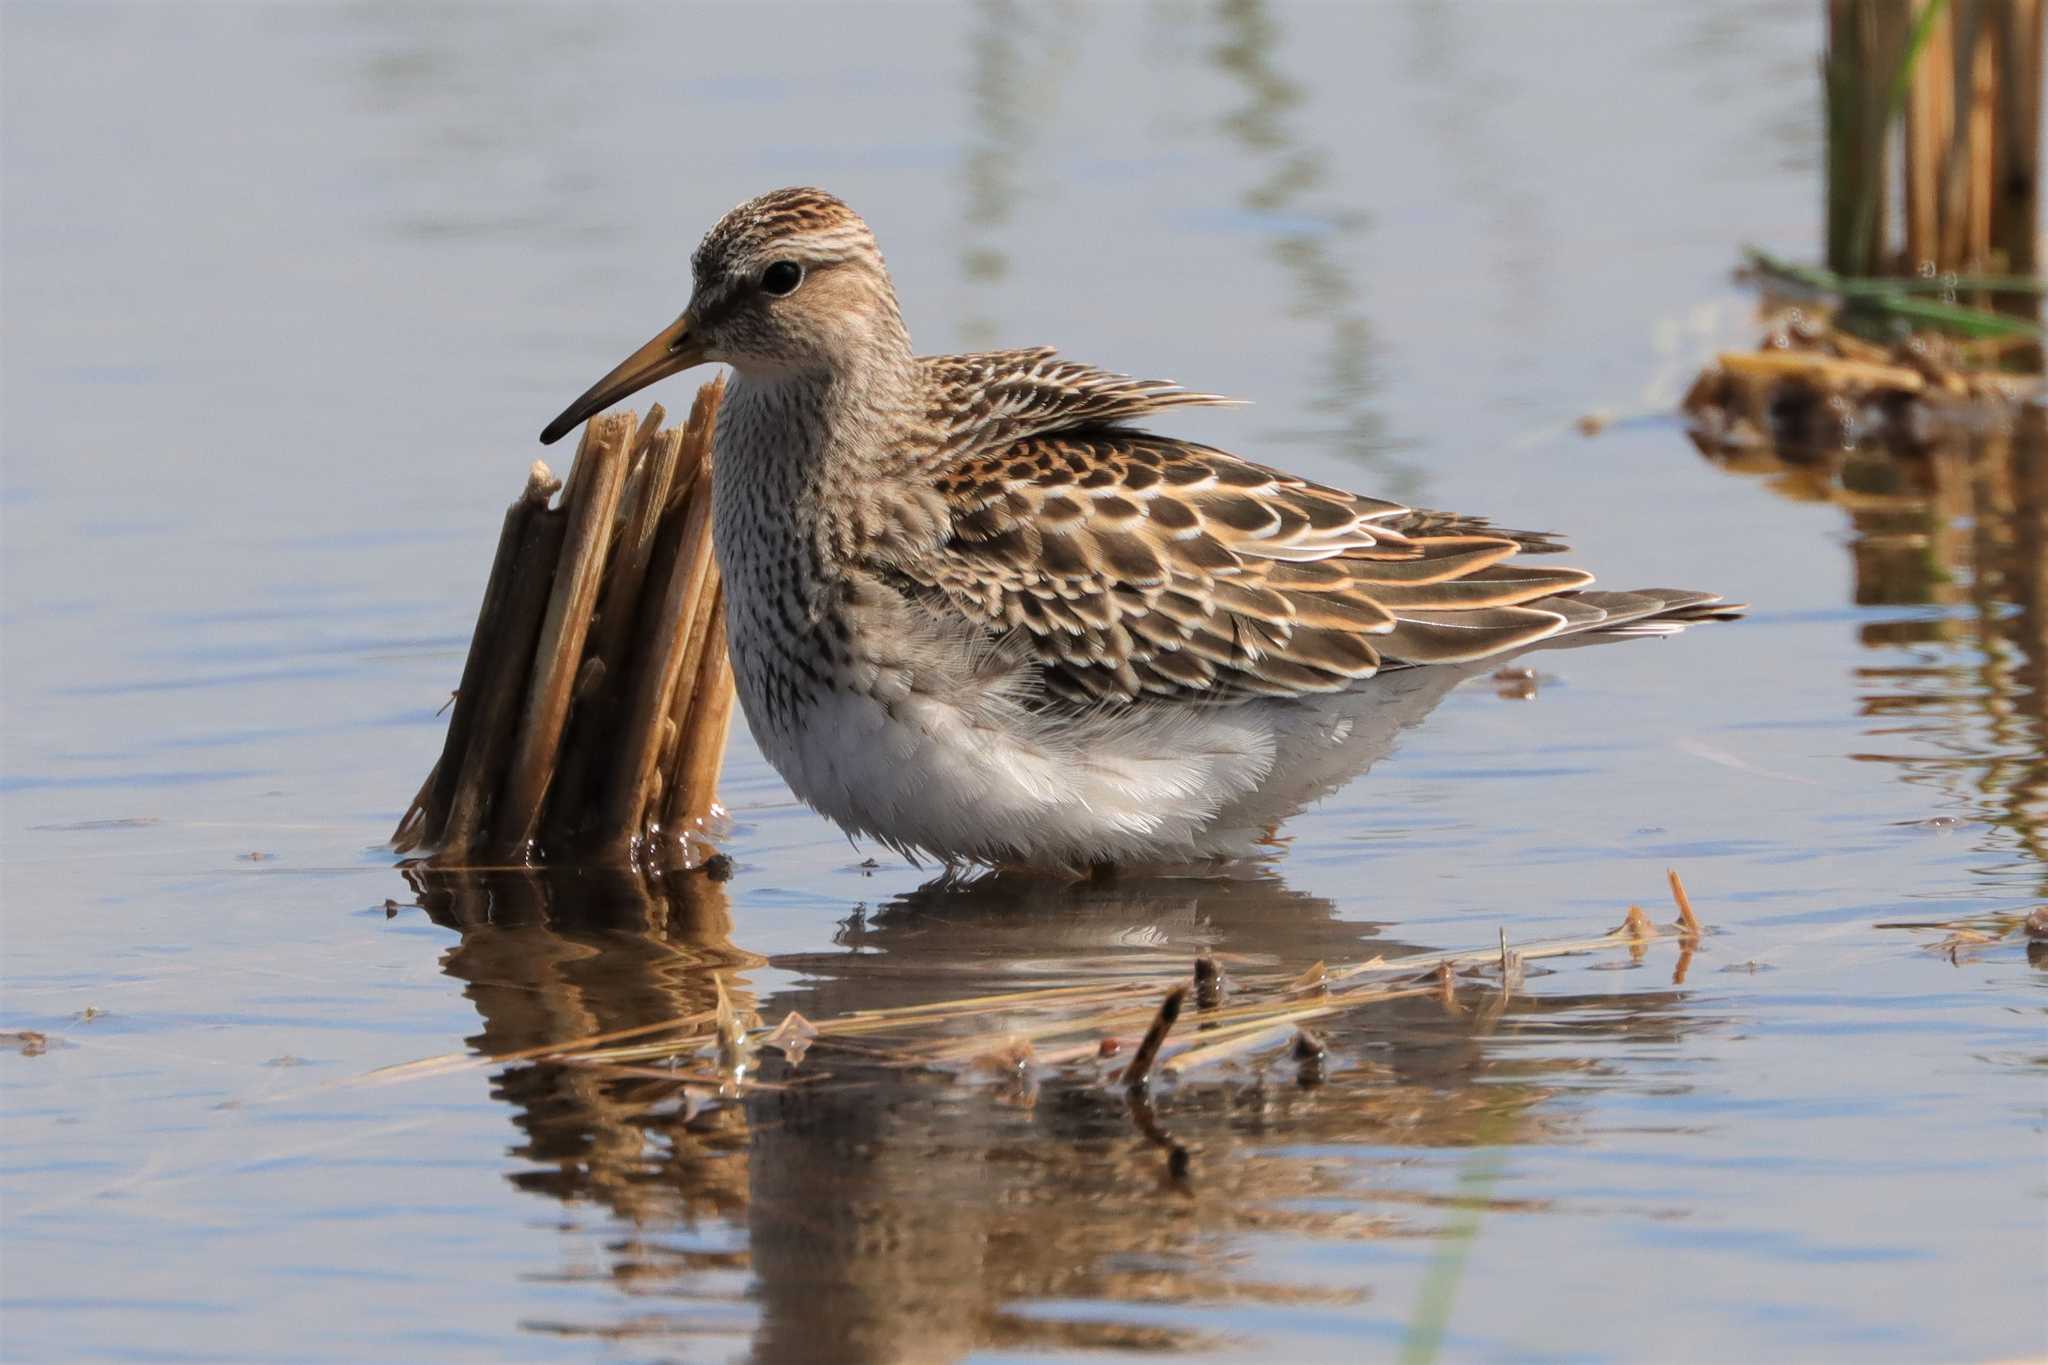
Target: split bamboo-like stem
x,y
667,699
2019,42
614,650
636,547
1965,78
693,635
702,752
1966,166
1867,39
1930,125
681,566
429,817
596,693
557,664
489,746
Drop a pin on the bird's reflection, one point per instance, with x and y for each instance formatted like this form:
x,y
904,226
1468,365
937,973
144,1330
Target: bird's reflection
x,y
1957,700
873,1211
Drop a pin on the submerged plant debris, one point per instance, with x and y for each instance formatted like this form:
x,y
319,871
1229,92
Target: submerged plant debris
x,y
1812,384
1095,1034
1965,937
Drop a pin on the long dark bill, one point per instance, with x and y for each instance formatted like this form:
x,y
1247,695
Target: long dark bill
x,y
673,350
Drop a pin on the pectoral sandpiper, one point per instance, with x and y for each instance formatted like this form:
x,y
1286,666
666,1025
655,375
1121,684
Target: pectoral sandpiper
x,y
974,611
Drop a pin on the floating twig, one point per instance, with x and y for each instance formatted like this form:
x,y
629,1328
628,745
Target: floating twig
x,y
1138,1075
1685,915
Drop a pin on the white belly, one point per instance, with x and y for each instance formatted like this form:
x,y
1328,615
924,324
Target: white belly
x,y
921,775
1160,785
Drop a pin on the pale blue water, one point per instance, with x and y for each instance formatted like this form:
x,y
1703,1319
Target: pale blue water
x,y
289,289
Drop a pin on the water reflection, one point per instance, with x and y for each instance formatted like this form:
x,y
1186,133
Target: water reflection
x,y
1957,699
1308,238
1461,116
484,132
1017,56
871,1211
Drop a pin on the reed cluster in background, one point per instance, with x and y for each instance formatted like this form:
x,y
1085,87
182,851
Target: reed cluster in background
x,y
1935,106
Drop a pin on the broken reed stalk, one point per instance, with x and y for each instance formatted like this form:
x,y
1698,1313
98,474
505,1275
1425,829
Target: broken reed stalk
x,y
594,724
589,505
596,695
1138,1075
681,584
702,746
1868,40
487,752
430,809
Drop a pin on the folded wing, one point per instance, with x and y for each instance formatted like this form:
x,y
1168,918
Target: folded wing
x,y
1136,566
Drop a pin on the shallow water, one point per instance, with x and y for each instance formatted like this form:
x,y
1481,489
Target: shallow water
x,y
288,291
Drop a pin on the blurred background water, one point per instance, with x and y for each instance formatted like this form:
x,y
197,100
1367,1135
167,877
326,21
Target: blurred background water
x,y
289,288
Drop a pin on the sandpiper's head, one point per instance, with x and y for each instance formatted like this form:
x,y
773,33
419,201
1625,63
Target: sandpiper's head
x,y
789,282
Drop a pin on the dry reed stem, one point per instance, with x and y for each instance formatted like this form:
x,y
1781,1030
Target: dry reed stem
x,y
864,1021
1866,40
649,476
1930,123
1138,1074
1118,1019
426,822
1966,172
1685,915
547,1051
636,546
1635,933
694,789
490,739
679,566
590,510
1971,105
644,434
679,709
2016,172
596,722
669,619
1249,1038
1826,370
1217,1033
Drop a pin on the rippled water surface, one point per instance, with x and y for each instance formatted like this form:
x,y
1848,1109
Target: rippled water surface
x,y
289,288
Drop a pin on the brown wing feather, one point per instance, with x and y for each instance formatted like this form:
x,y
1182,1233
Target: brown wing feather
x,y
1137,566
981,403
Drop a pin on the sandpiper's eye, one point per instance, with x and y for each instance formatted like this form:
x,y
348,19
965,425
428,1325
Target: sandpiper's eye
x,y
782,277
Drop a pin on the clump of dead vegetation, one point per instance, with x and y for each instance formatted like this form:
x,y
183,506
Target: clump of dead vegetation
x,y
1135,1033
1816,384
591,718
1965,938
1924,324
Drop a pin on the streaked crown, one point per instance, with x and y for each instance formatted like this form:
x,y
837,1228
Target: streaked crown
x,y
800,222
